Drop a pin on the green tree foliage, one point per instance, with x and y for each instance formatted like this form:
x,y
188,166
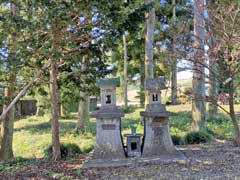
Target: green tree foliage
x,y
57,34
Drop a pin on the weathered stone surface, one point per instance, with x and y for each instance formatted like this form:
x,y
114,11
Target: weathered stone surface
x,y
133,140
92,103
157,137
108,127
136,161
108,112
155,110
154,83
108,97
109,143
154,97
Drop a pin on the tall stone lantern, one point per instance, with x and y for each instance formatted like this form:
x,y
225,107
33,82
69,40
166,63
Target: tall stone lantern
x,y
157,139
109,143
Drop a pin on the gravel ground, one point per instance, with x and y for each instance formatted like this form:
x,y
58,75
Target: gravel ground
x,y
218,160
215,160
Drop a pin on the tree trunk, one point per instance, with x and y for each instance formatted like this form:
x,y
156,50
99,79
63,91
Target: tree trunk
x,y
7,124
142,93
125,73
149,36
83,112
60,105
198,102
54,105
174,62
83,106
213,85
232,113
212,109
150,23
23,91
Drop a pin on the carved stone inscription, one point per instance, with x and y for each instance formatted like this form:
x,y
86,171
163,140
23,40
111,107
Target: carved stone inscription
x,y
157,123
108,126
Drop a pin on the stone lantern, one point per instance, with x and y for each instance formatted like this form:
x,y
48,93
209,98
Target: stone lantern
x,y
109,143
157,139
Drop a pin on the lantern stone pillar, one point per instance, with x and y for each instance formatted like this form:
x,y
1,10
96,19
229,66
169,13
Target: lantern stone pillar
x,y
157,139
109,143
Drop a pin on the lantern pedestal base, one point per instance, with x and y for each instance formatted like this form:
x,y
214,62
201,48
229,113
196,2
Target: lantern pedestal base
x,y
109,143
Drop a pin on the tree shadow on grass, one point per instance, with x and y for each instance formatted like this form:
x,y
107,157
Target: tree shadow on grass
x,y
45,127
40,128
64,127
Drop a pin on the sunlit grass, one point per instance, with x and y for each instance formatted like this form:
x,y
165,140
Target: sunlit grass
x,y
33,134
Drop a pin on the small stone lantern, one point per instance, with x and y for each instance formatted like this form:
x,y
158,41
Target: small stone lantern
x,y
109,143
157,139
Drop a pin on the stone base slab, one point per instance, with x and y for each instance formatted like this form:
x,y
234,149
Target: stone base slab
x,y
133,162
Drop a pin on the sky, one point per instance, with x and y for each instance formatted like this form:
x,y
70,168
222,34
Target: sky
x,y
184,75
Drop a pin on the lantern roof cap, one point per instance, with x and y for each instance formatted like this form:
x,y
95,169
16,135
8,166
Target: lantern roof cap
x,y
114,82
155,83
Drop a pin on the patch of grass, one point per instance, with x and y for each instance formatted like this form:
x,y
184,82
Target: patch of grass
x,y
132,119
39,128
218,119
129,109
197,137
180,123
33,134
31,137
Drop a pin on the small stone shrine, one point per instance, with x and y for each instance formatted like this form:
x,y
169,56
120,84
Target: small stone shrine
x,y
133,143
109,143
157,139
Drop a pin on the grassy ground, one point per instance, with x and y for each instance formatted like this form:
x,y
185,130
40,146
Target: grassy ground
x,y
216,160
33,134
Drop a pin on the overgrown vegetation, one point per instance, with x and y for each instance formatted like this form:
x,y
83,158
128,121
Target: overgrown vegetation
x,y
67,150
197,137
177,140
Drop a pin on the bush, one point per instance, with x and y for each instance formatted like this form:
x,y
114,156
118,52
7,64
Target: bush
x,y
67,150
197,137
211,132
183,99
218,119
177,140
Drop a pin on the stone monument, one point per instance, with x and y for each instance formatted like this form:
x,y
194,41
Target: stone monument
x,y
109,143
157,139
